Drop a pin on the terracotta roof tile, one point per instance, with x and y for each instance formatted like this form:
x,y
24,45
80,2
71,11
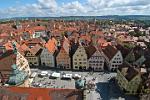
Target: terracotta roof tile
x,y
23,48
90,50
9,46
7,59
128,71
39,28
99,33
66,45
43,93
101,41
110,51
4,34
85,37
33,41
71,29
51,45
131,73
34,50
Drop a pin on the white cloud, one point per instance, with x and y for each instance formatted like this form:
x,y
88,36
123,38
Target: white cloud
x,y
74,7
48,4
89,7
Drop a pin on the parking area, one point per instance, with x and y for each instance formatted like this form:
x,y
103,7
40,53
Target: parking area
x,y
47,82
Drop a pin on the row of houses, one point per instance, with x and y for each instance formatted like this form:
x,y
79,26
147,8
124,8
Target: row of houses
x,y
70,55
78,54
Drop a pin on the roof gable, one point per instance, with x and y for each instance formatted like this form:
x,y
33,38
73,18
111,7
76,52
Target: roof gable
x,y
51,45
90,50
80,50
35,49
128,71
66,45
110,51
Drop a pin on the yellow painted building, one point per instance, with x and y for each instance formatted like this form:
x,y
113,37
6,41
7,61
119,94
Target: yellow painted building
x,y
32,59
129,79
80,59
33,55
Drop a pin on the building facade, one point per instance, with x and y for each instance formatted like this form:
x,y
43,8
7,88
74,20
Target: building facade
x,y
47,58
113,57
116,61
22,63
33,55
63,59
129,79
96,61
80,61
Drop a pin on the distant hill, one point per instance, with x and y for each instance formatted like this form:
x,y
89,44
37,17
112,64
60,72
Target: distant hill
x,y
109,17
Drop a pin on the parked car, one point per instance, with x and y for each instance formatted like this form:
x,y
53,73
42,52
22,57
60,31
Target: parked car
x,y
43,74
67,76
76,76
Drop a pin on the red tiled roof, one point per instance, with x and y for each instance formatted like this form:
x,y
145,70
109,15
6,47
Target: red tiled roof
x,y
33,41
101,41
90,50
106,44
66,45
97,33
23,48
42,93
39,28
85,37
34,50
71,29
51,45
57,32
4,34
9,46
6,60
110,51
128,71
29,30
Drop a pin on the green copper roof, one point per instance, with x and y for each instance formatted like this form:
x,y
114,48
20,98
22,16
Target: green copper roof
x,y
80,83
14,47
17,76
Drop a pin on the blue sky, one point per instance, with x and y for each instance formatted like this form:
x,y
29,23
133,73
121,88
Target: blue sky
x,y
39,8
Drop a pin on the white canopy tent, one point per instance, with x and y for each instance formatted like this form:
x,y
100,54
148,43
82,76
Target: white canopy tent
x,y
55,74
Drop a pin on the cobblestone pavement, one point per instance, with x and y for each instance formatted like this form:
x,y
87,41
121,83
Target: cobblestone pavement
x,y
100,93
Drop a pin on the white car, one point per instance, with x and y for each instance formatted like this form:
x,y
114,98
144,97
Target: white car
x,y
67,76
55,75
77,76
44,73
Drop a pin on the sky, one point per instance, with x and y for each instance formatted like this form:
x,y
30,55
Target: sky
x,y
56,8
